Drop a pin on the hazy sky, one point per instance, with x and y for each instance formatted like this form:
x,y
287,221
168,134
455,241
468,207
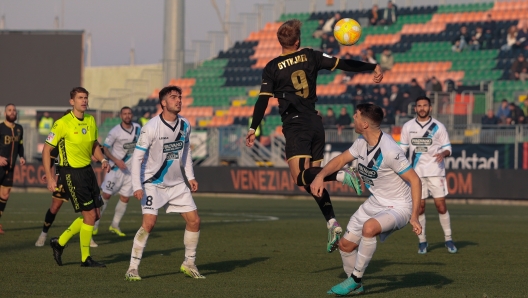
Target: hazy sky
x,y
116,25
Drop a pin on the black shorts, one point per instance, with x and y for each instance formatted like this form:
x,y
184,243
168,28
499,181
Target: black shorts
x,y
305,136
6,176
60,191
81,187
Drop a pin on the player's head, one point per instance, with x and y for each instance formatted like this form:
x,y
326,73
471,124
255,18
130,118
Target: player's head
x,y
367,116
289,34
126,115
79,99
423,107
170,99
10,113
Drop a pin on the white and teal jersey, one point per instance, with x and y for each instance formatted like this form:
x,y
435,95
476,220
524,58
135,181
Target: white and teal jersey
x,y
424,140
162,150
380,168
121,142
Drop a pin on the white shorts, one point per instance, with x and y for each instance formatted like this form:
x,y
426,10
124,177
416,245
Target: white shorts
x,y
435,187
390,218
175,199
117,181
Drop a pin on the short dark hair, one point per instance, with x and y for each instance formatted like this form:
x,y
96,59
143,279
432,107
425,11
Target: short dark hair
x,y
167,90
76,90
9,104
289,33
423,98
371,111
125,108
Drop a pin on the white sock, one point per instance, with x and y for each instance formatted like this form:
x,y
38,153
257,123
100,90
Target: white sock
x,y
102,209
330,223
349,260
340,176
422,237
140,241
190,241
119,212
445,222
366,250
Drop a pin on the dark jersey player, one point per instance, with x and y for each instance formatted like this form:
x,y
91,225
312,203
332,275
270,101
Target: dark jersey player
x,y
291,78
11,146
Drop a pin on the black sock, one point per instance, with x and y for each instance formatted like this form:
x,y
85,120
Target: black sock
x,y
48,221
356,279
307,176
3,203
324,203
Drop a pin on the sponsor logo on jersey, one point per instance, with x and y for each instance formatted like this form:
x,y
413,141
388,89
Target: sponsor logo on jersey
x,y
163,138
367,172
422,141
173,147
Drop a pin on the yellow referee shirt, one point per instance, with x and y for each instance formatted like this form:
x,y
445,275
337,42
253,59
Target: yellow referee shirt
x,y
75,138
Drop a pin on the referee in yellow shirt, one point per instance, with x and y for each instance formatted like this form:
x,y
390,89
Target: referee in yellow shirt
x,y
75,134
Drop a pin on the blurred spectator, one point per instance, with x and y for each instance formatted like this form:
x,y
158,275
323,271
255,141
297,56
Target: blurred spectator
x,y
519,69
464,38
332,46
433,85
373,15
144,119
395,97
319,30
343,121
348,75
457,46
329,24
517,114
371,57
358,95
386,59
382,93
324,42
329,119
522,36
511,39
374,97
477,40
45,124
389,15
489,30
388,119
524,106
386,104
490,118
405,104
415,90
504,111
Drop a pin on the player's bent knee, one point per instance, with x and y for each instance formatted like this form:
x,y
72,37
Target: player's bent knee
x,y
371,228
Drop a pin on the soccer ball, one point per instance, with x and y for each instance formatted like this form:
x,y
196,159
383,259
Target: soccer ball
x,y
347,31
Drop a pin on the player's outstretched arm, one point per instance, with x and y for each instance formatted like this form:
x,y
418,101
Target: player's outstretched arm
x,y
360,66
258,114
412,178
98,154
336,164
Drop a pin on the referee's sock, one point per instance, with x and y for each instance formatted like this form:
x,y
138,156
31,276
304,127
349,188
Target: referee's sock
x,y
72,230
85,237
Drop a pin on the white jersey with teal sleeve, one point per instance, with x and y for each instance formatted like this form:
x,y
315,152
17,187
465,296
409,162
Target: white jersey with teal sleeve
x,y
424,140
121,142
162,150
380,169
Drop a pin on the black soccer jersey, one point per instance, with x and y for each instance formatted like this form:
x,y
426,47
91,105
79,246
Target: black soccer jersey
x,y
11,142
292,78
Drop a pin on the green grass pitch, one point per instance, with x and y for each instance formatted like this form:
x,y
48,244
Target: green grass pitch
x,y
265,248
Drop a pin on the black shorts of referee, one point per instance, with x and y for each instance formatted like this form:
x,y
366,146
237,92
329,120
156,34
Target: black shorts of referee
x,y
80,185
